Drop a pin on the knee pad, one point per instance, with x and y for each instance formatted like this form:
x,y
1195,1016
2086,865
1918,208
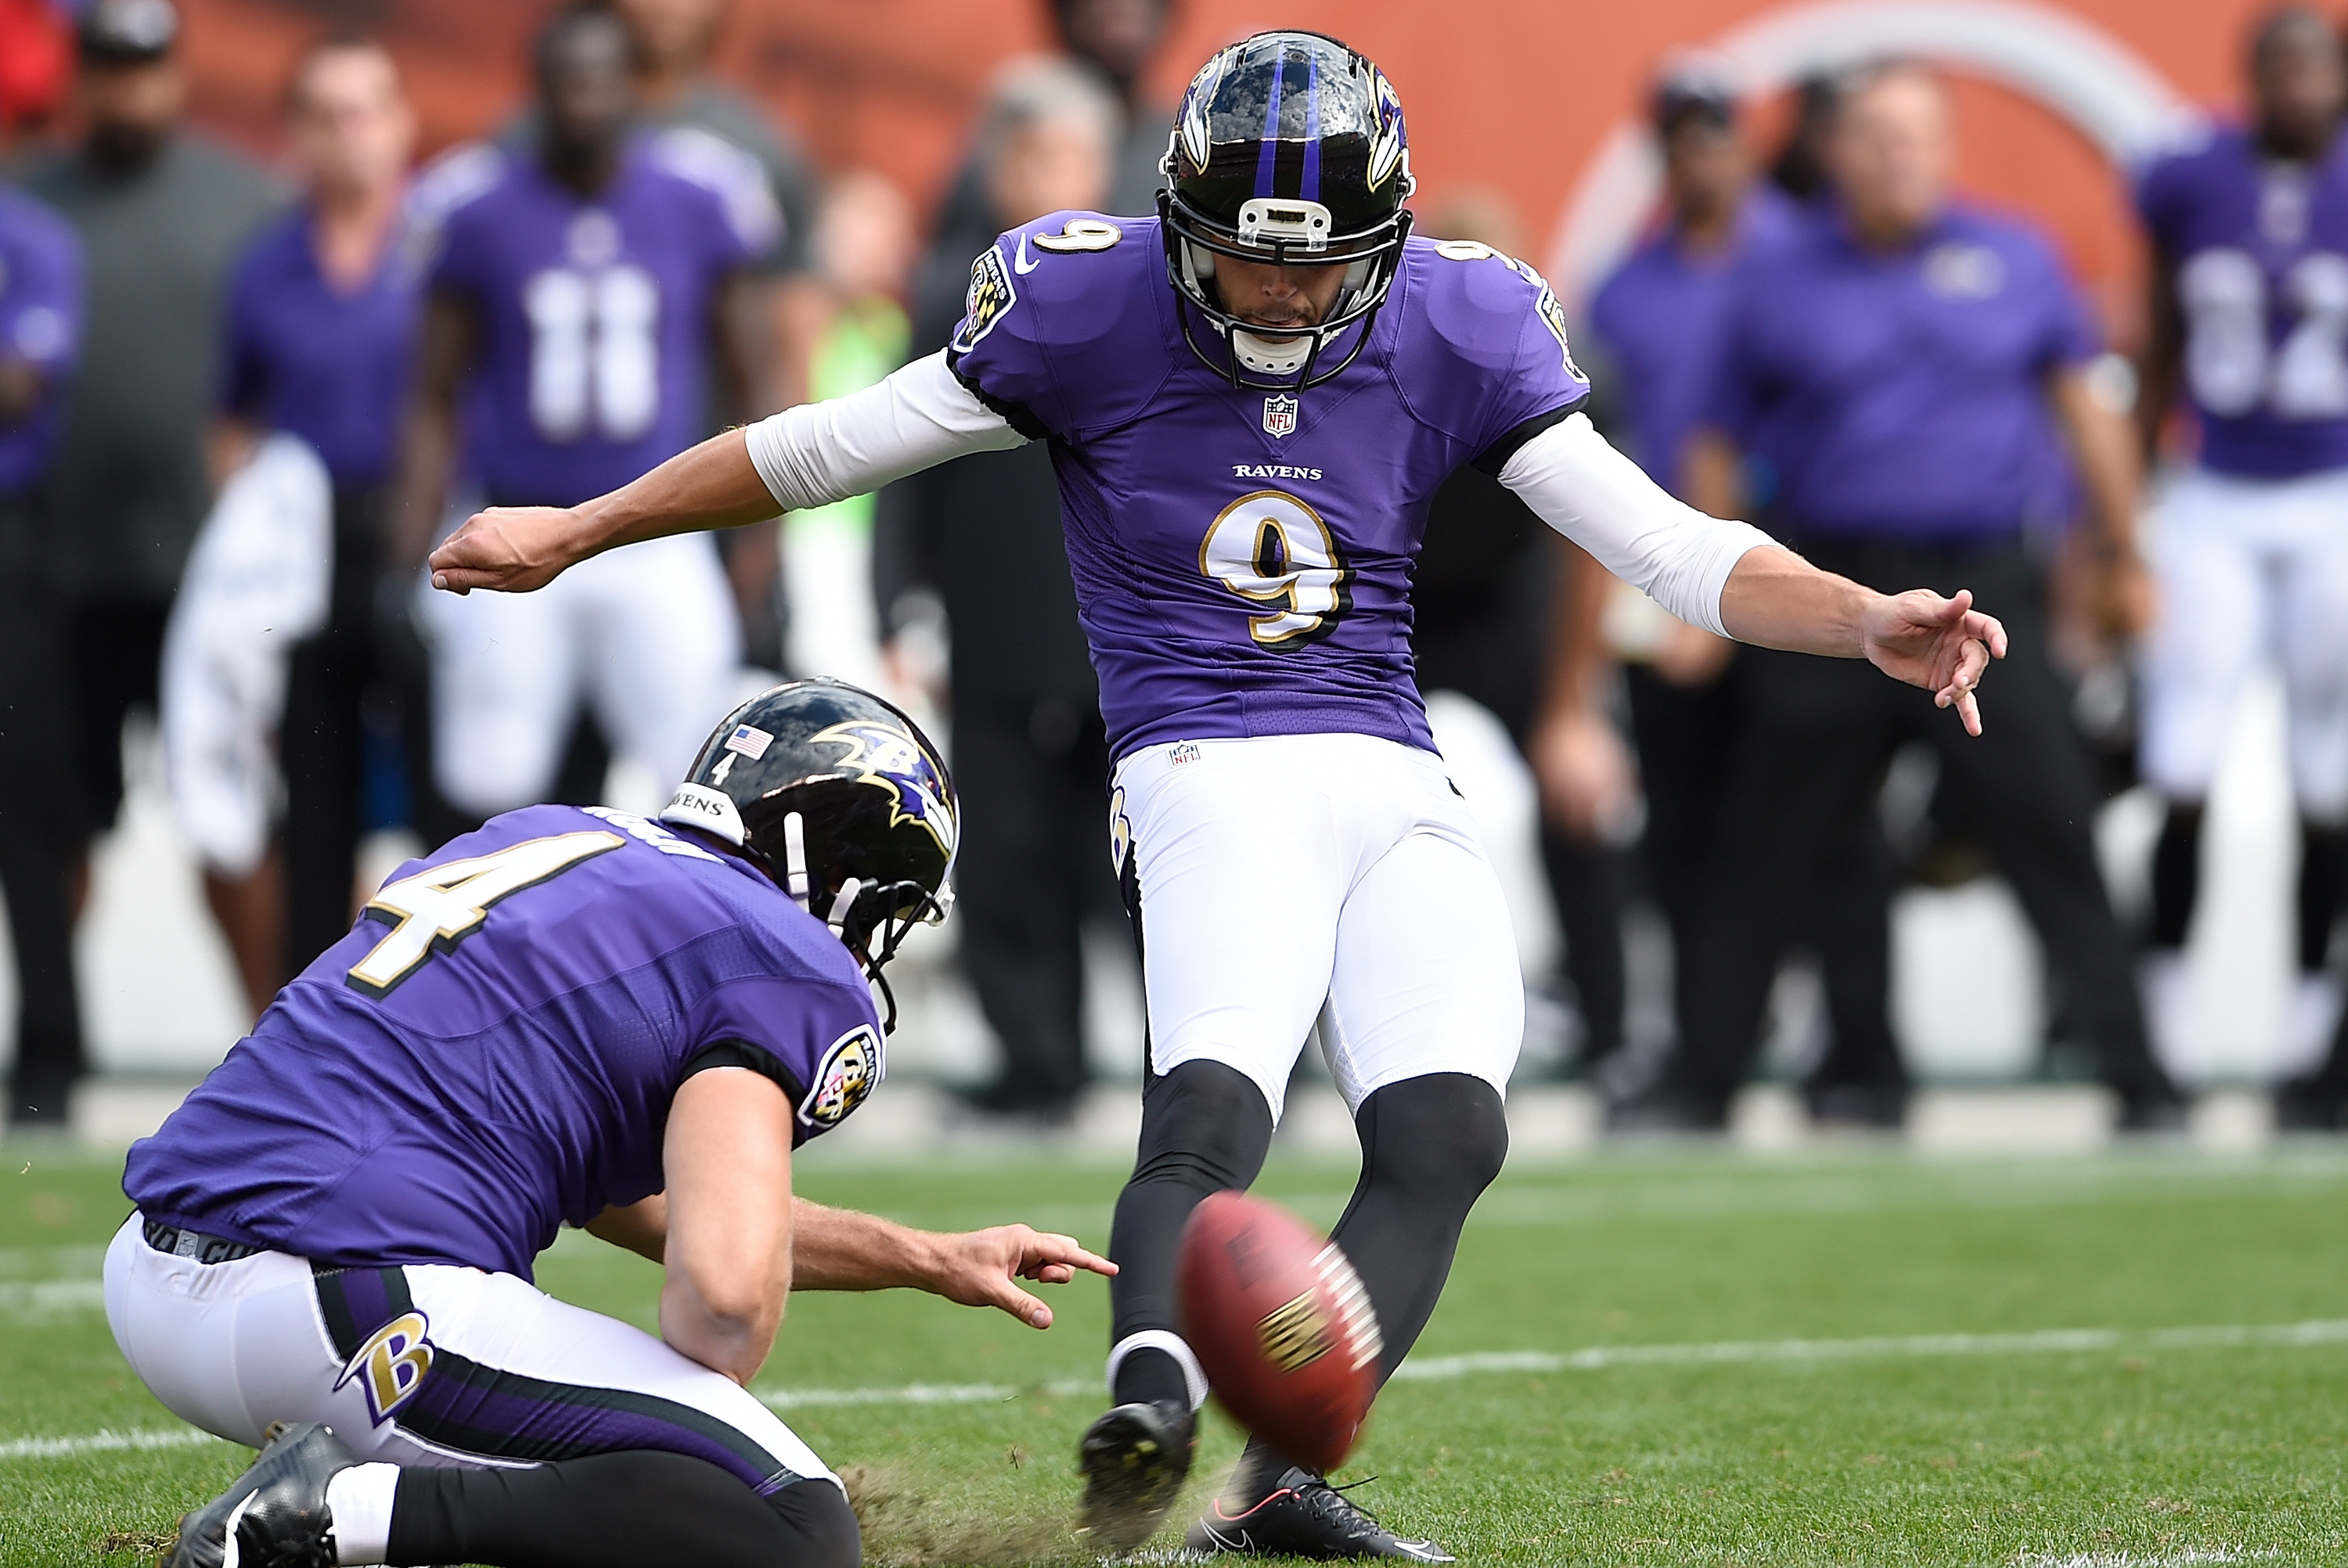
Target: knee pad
x,y
1443,1137
1205,1120
823,1526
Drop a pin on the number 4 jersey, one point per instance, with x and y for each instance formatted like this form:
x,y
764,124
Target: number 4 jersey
x,y
2261,249
594,311
1243,558
491,1051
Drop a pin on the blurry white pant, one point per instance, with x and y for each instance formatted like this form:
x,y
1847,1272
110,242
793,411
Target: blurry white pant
x,y
834,629
2250,569
648,634
1287,879
428,1364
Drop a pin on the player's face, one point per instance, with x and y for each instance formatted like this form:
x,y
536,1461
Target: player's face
x,y
2300,83
1706,165
1116,34
350,127
1263,294
1890,153
589,95
671,32
130,110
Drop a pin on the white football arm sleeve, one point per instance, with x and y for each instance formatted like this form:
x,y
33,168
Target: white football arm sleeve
x,y
915,418
1605,503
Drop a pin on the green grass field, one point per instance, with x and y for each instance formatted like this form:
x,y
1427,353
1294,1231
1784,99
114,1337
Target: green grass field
x,y
1642,1359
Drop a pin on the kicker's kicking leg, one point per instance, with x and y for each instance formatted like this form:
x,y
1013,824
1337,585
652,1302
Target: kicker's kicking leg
x,y
1429,1148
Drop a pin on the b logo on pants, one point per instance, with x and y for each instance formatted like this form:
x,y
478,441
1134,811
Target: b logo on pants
x,y
393,1362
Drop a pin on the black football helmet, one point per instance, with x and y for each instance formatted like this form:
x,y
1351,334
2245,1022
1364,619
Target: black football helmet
x,y
1289,148
841,799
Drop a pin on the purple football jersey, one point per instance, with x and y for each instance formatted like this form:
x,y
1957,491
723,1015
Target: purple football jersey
x,y
2261,249
594,313
1900,395
1659,315
1243,560
314,360
491,1052
40,325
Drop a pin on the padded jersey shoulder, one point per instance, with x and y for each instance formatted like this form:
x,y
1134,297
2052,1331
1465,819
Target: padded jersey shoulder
x,y
2196,155
1068,323
1478,341
735,178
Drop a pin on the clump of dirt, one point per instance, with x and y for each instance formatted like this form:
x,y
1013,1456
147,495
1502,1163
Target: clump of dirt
x,y
150,1546
904,1528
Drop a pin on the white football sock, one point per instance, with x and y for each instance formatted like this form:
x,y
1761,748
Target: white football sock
x,y
1194,1377
360,1500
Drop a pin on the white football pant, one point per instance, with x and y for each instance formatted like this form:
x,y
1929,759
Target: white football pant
x,y
1287,878
2250,569
647,634
426,1364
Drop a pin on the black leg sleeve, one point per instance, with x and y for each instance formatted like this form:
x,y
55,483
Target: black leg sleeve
x,y
641,1509
1429,1148
2323,889
2177,875
1205,1128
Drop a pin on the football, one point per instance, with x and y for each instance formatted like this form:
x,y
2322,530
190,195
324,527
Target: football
x,y
1282,1326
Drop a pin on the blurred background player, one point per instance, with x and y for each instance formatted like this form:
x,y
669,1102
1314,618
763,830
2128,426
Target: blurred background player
x,y
1656,321
40,332
847,315
321,332
581,299
1890,463
1487,587
1031,754
2249,242
162,214
1112,41
671,45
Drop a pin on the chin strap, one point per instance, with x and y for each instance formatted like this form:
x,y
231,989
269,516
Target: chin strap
x,y
795,865
909,904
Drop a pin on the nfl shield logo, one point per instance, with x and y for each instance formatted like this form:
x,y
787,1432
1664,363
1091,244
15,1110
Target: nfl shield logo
x,y
1280,415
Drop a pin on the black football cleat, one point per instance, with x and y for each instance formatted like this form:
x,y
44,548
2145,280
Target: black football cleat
x,y
1300,1515
1135,1459
276,1515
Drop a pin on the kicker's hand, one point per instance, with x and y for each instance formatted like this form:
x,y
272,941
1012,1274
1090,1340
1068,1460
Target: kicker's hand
x,y
982,1269
512,549
1943,645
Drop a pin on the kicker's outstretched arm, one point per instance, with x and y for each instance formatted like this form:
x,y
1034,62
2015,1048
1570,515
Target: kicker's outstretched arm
x,y
1730,578
809,456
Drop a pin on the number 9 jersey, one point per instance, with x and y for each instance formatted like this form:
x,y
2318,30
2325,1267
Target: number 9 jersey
x,y
2261,249
1242,557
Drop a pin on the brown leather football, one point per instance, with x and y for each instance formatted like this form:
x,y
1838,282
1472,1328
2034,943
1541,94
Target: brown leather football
x,y
1279,1322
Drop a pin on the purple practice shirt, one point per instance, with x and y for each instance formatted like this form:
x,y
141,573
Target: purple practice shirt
x,y
515,1076
1659,316
40,325
1902,395
308,358
594,311
2261,249
1242,558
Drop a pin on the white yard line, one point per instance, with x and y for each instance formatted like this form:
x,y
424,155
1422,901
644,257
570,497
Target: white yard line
x,y
104,1442
1444,1368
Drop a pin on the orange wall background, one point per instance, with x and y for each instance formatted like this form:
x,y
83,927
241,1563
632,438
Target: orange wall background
x,y
1511,95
